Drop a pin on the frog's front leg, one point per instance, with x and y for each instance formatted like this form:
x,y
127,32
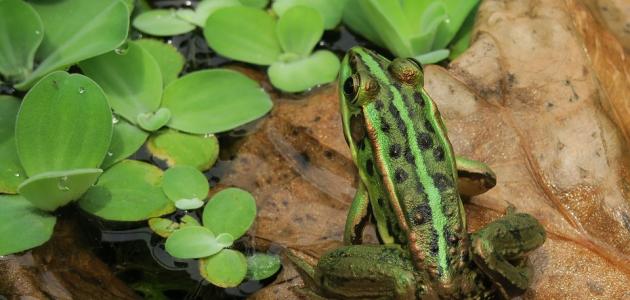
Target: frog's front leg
x,y
360,272
500,247
358,216
474,177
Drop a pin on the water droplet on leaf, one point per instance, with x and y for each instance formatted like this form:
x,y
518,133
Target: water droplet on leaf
x,y
37,32
62,184
110,154
81,90
17,174
115,120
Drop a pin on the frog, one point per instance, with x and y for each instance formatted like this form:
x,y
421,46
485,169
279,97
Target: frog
x,y
413,187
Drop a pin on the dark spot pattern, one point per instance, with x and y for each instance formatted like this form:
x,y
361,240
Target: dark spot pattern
x,y
433,246
451,238
418,98
369,167
428,126
395,151
378,104
399,121
422,213
441,181
400,175
438,153
409,156
385,127
424,140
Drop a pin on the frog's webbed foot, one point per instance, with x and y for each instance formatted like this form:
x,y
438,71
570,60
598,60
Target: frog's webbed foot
x,y
500,247
473,177
359,272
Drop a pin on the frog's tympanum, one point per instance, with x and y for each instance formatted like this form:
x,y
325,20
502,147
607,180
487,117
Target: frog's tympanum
x,y
410,184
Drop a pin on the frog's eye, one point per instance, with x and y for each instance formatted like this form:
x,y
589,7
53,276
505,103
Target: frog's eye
x,y
351,87
407,70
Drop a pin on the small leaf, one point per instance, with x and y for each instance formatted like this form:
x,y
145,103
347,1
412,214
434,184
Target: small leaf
x,y
225,239
204,9
329,10
225,269
23,226
51,190
163,227
231,210
152,121
299,29
170,61
188,204
192,242
11,172
300,75
22,32
433,56
176,148
161,22
261,266
185,183
126,140
94,28
64,123
130,77
188,220
243,33
128,191
213,101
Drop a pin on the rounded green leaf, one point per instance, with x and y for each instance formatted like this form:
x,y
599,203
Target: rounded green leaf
x,y
231,210
128,191
188,204
188,220
11,172
64,123
177,148
204,9
96,27
23,226
225,269
130,77
243,33
170,61
299,29
185,182
152,121
261,266
161,22
126,140
22,32
163,227
330,10
433,56
303,74
213,101
51,190
192,242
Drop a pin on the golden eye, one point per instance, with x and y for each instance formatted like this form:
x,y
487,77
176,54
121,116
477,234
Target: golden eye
x,y
351,87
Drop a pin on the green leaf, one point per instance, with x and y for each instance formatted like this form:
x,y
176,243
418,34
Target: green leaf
x,y
188,220
51,190
185,182
261,266
193,242
433,56
152,121
176,148
128,191
299,29
162,22
126,140
11,172
243,33
461,41
94,28
353,18
225,269
170,61
388,20
23,226
163,227
457,12
300,75
330,10
21,32
130,77
255,3
189,204
213,101
231,210
64,123
204,9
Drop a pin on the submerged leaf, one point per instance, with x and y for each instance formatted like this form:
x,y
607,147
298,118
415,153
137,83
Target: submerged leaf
x,y
300,75
261,266
178,148
128,191
11,172
231,210
193,242
243,33
225,269
213,101
22,32
299,29
130,77
185,183
96,27
170,61
64,123
23,226
161,22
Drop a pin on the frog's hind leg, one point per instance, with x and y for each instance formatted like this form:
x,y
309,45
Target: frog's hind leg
x,y
500,247
473,177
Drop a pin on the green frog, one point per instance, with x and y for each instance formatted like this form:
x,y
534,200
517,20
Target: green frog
x,y
412,185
